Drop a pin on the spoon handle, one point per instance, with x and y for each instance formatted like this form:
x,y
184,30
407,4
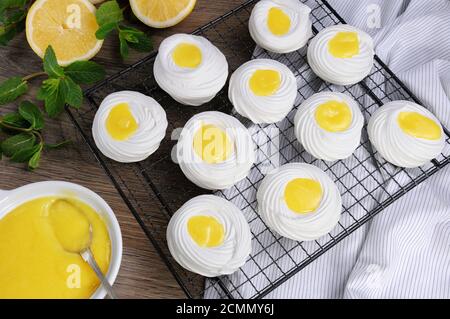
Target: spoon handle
x,y
89,258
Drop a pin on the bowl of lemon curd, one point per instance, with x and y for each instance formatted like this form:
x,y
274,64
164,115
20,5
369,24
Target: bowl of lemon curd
x,y
39,240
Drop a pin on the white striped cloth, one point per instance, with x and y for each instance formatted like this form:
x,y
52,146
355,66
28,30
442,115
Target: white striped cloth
x,y
404,252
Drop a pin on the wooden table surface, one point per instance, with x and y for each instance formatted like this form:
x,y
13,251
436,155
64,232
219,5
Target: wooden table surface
x,y
143,274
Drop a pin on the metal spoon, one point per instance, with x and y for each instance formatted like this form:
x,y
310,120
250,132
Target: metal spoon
x,y
88,257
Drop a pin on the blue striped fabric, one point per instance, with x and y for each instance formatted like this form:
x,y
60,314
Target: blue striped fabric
x,y
404,252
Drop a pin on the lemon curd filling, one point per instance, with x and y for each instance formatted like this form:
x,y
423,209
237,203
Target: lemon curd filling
x,y
186,55
34,262
206,231
333,116
419,126
121,124
265,82
278,22
212,144
303,195
344,45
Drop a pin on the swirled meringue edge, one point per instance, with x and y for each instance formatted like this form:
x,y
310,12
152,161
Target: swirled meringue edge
x,y
340,71
298,36
152,121
396,146
191,86
219,175
262,109
324,145
300,227
215,261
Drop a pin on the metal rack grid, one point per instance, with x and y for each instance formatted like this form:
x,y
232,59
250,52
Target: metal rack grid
x,y
367,183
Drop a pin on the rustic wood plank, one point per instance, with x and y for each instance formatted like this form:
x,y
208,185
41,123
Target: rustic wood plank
x,y
143,274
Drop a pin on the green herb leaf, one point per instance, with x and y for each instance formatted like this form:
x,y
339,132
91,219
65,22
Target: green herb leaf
x,y
85,72
32,114
7,33
58,145
33,163
74,96
17,142
136,39
15,120
123,46
11,89
25,154
51,66
109,12
104,30
5,4
53,92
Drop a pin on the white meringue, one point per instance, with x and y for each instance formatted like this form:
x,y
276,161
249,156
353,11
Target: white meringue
x,y
191,85
298,226
297,34
223,259
223,174
152,125
262,109
397,146
336,70
325,144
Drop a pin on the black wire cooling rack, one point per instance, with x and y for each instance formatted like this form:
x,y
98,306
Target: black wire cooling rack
x,y
367,183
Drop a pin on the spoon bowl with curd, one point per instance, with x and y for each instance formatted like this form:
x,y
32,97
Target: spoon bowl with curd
x,y
50,235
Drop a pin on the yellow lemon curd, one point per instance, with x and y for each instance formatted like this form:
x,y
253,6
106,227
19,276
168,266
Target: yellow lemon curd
x,y
187,55
419,126
344,45
278,22
265,82
303,195
206,231
37,244
212,144
121,124
333,116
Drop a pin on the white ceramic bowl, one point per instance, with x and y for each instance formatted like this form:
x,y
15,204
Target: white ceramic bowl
x,y
11,199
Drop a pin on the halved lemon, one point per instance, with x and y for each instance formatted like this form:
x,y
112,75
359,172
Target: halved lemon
x,y
162,13
69,26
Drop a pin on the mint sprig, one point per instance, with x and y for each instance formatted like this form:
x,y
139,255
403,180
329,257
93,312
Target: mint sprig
x,y
110,18
26,143
61,87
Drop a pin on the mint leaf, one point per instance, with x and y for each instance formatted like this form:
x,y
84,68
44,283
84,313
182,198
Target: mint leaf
x,y
74,95
85,72
25,154
7,33
17,142
32,114
123,46
51,66
15,120
47,88
11,89
33,163
104,30
109,12
136,39
53,92
5,4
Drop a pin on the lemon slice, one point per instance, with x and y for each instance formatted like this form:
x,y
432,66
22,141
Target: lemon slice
x,y
69,26
162,13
